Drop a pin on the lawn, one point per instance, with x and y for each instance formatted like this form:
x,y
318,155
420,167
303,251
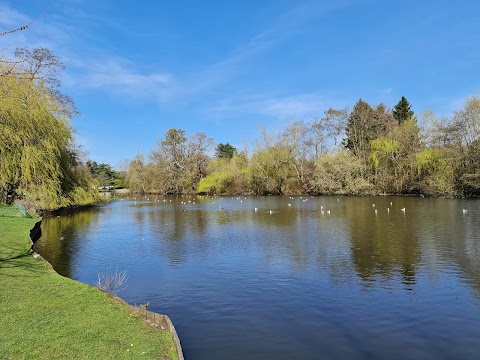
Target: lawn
x,y
46,316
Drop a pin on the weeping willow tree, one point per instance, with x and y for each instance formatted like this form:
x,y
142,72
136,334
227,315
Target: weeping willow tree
x,y
37,162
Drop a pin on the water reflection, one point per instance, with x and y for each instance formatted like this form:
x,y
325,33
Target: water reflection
x,y
384,244
64,230
353,241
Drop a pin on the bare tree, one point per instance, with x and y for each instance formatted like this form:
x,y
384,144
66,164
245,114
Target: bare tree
x,y
112,282
40,64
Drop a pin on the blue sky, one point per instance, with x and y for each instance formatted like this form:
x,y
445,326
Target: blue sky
x,y
137,69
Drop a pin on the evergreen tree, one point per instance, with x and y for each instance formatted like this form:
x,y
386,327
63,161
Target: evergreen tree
x,y
402,111
224,151
359,129
103,173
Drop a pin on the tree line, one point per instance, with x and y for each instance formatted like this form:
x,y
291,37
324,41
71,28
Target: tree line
x,y
368,150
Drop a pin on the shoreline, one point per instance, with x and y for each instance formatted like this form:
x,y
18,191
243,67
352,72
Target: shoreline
x,y
153,319
48,316
431,196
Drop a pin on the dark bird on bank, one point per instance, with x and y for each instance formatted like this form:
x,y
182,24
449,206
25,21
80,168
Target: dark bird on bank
x,y
35,233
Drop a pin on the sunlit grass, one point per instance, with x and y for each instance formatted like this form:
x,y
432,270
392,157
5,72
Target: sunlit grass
x,y
46,316
9,211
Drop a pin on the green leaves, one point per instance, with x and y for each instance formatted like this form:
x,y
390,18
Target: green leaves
x,y
364,125
215,183
224,151
37,163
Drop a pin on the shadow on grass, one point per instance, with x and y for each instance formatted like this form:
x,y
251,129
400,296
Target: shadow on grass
x,y
18,262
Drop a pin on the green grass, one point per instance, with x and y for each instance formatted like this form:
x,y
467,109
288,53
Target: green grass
x,y
46,316
9,211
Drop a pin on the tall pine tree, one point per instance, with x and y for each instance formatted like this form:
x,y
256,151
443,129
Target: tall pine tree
x,y
358,130
402,111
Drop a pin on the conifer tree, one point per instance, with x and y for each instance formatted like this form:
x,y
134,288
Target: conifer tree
x,y
224,151
358,130
402,111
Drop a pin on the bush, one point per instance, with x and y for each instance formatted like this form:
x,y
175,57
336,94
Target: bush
x,y
340,173
215,183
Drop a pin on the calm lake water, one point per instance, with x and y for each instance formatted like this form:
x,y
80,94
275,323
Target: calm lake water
x,y
288,282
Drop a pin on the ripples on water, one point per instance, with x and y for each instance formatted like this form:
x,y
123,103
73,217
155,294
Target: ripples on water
x,y
290,282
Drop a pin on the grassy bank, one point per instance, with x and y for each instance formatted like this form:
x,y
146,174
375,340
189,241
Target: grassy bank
x,y
46,316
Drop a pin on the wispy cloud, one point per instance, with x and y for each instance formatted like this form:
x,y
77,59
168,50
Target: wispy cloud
x,y
10,18
305,105
43,32
98,70
237,63
119,76
301,106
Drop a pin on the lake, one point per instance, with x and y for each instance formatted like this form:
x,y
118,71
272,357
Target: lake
x,y
276,277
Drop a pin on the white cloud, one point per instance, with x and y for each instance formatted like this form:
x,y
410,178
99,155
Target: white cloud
x,y
300,106
90,67
236,63
119,76
11,19
97,70
304,105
